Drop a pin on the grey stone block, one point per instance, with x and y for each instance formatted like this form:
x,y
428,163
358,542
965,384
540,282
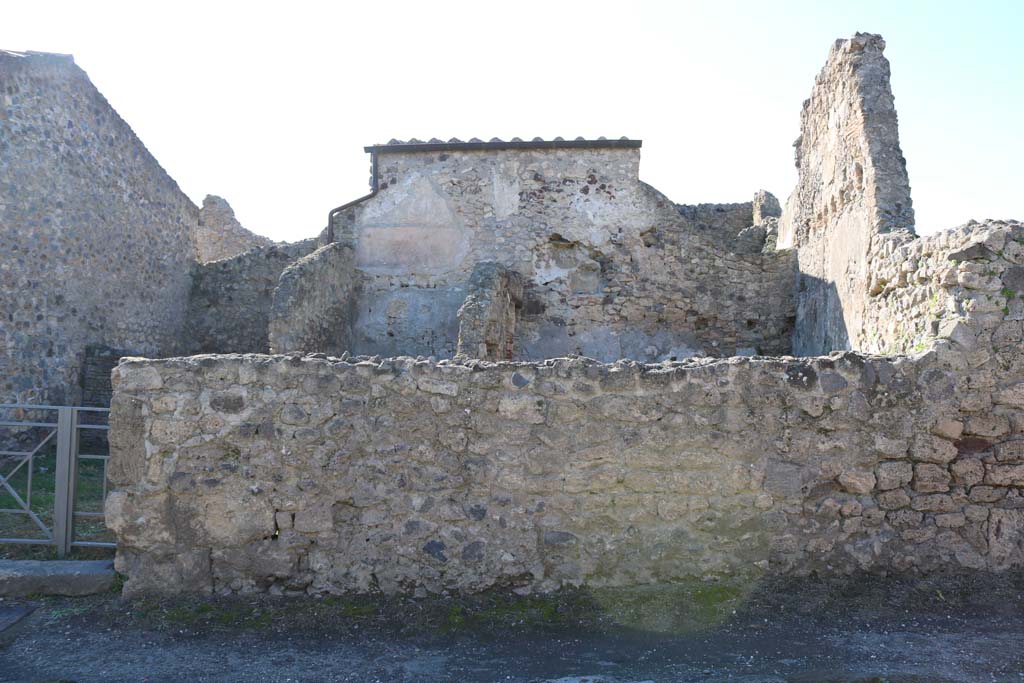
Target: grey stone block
x,y
20,578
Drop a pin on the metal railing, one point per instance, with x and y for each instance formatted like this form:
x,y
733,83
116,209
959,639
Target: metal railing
x,y
39,443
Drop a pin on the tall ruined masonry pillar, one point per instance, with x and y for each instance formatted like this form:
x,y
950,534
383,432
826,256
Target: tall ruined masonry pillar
x,y
852,185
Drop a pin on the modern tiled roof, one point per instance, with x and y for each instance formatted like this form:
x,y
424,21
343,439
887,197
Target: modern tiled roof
x,y
455,145
37,55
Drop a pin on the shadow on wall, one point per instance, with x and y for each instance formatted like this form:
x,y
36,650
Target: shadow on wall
x,y
820,323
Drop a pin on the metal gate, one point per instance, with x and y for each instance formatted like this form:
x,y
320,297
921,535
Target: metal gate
x,y
53,476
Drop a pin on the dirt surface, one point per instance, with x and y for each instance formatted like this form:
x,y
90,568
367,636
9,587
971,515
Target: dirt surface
x,y
865,630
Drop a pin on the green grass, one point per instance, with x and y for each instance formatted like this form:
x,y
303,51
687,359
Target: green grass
x,y
348,608
225,615
89,498
496,612
683,607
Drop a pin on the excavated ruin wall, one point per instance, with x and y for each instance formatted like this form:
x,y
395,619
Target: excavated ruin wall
x,y
230,301
719,223
921,286
219,235
97,240
852,190
314,302
610,267
487,319
305,474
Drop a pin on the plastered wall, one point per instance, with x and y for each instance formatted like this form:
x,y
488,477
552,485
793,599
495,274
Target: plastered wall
x,y
611,268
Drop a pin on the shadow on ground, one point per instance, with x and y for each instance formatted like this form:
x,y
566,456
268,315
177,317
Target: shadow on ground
x,y
861,630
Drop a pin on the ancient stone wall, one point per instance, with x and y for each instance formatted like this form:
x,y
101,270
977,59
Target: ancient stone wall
x,y
98,240
230,300
314,303
322,475
611,268
764,207
487,319
920,286
219,235
718,222
852,187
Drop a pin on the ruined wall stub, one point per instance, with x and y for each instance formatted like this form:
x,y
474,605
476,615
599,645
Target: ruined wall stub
x,y
219,235
314,303
852,186
98,241
487,319
229,304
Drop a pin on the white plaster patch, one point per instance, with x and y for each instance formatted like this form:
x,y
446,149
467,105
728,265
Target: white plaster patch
x,y
411,229
506,189
602,216
549,273
413,200
411,249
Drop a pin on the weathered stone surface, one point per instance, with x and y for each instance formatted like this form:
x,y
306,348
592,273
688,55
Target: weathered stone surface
x,y
339,471
892,475
852,186
893,500
950,520
929,448
936,502
987,425
610,267
1011,395
1006,537
930,478
1010,451
967,472
857,482
230,302
314,303
1004,475
22,578
98,241
487,318
765,206
986,494
719,222
402,474
219,235
948,429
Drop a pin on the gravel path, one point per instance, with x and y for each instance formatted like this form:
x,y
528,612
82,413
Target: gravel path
x,y
863,631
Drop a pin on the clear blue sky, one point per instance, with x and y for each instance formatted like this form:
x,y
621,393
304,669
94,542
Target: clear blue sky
x,y
270,104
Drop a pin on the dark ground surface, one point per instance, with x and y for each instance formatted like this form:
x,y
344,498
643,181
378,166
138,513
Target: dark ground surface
x,y
864,630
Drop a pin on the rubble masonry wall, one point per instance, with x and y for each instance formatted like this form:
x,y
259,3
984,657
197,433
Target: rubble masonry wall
x,y
98,240
307,474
